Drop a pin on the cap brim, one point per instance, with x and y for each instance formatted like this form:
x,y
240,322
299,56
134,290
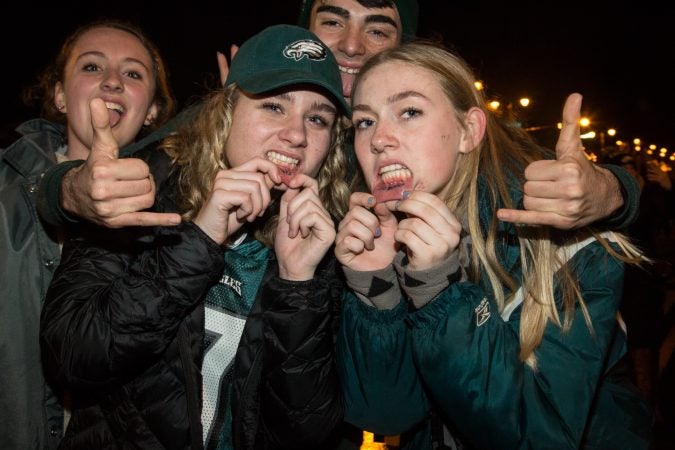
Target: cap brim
x,y
268,81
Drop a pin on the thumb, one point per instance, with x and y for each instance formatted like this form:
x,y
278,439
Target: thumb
x,y
104,144
385,214
569,141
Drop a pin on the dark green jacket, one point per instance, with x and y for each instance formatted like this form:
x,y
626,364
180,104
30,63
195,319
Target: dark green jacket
x,y
457,357
31,417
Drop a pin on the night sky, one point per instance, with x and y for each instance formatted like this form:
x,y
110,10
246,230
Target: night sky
x,y
619,58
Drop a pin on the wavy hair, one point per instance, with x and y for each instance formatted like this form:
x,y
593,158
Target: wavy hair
x,y
198,151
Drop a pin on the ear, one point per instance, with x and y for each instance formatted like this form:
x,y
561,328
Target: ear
x,y
474,123
60,98
152,114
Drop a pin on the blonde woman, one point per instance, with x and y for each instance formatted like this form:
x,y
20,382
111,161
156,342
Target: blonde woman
x,y
218,332
507,335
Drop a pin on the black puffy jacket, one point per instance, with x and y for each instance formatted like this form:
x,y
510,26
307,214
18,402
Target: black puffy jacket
x,y
122,329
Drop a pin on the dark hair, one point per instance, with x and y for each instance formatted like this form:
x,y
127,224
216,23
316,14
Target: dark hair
x,y
43,91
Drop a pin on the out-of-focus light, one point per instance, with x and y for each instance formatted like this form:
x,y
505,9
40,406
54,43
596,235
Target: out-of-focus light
x,y
589,135
494,105
652,147
524,102
637,141
559,125
584,121
478,85
611,132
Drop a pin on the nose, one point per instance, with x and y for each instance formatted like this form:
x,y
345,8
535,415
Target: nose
x,y
294,132
351,42
383,138
112,82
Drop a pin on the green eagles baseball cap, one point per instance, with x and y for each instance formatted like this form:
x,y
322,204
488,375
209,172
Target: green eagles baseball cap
x,y
408,11
286,55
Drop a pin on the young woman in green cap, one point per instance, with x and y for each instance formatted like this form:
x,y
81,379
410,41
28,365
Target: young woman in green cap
x,y
243,291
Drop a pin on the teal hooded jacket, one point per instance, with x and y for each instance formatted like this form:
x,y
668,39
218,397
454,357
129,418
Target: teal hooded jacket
x,y
458,358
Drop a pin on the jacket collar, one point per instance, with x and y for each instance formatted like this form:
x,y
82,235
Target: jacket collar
x,y
36,149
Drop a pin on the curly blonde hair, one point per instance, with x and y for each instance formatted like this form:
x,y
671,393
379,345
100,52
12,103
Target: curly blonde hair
x,y
197,151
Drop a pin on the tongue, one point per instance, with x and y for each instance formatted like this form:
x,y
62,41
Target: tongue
x,y
114,117
385,193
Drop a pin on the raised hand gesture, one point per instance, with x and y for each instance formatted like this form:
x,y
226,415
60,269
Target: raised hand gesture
x,y
223,66
365,239
570,191
305,230
111,191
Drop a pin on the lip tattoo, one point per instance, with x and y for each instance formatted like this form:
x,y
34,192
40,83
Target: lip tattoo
x,y
394,180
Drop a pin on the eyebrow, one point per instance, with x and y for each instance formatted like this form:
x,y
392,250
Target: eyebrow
x,y
392,99
318,105
102,55
371,18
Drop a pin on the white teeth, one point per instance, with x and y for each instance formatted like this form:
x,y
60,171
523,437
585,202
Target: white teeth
x,y
278,158
395,173
348,70
114,106
391,168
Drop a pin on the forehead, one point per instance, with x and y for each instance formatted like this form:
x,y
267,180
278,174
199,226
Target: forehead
x,y
355,7
392,77
111,41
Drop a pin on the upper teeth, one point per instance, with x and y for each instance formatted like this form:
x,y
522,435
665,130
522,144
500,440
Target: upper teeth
x,y
348,70
394,172
117,107
279,158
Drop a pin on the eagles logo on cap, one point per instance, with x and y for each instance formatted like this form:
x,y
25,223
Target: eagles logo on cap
x,y
305,48
283,56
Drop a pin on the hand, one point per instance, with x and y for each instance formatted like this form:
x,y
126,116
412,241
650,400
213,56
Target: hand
x,y
430,232
238,196
223,67
658,176
570,191
107,190
305,230
365,238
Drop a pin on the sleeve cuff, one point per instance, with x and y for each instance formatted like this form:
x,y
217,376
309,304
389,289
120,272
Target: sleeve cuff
x,y
49,195
378,288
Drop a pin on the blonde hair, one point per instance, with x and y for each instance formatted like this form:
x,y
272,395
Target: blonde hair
x,y
197,151
487,175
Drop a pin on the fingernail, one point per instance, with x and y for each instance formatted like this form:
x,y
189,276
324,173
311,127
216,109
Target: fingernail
x,y
405,195
398,203
371,200
378,232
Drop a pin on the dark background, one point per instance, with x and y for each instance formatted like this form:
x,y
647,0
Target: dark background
x,y
619,57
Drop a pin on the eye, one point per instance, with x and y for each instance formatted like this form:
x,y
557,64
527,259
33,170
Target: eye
x,y
380,34
90,67
362,124
274,107
411,113
330,23
135,75
320,120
